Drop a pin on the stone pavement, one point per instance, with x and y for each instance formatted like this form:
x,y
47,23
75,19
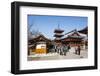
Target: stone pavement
x,y
55,56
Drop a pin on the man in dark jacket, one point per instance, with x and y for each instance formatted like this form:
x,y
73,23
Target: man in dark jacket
x,y
65,49
78,50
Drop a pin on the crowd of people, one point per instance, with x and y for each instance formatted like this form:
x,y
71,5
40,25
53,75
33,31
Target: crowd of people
x,y
63,49
60,49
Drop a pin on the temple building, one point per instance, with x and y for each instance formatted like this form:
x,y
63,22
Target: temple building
x,y
84,30
74,38
58,35
85,40
38,45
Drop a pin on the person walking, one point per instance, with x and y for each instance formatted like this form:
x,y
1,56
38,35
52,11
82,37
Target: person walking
x,y
61,50
55,48
78,50
68,47
65,49
58,49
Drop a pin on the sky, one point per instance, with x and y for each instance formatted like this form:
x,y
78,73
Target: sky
x,y
46,24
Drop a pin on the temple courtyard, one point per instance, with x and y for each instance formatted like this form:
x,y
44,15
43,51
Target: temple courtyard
x,y
55,56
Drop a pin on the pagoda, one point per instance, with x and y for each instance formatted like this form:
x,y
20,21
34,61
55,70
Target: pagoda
x,y
58,35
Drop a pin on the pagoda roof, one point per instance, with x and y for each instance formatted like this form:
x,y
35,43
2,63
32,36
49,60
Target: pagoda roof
x,y
58,35
58,30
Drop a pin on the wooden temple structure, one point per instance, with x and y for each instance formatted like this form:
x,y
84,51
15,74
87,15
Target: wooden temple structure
x,y
84,30
76,38
38,45
73,38
58,36
85,40
41,45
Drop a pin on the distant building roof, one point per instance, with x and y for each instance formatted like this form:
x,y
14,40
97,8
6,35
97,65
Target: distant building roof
x,y
74,34
84,30
39,38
